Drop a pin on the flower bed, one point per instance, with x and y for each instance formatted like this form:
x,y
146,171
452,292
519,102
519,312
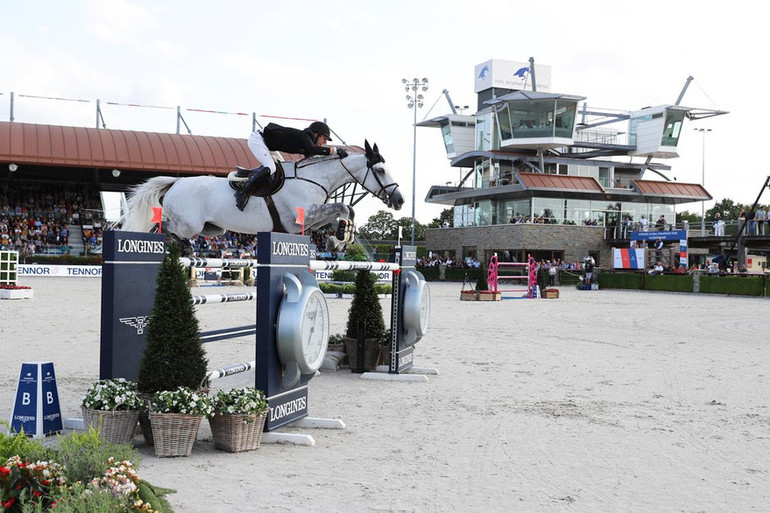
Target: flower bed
x,y
15,292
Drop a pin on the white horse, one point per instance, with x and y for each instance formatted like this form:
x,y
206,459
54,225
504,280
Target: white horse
x,y
205,205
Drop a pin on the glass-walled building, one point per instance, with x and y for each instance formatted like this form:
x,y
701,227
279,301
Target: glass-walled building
x,y
537,164
559,211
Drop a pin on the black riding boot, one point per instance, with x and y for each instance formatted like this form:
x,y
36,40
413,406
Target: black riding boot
x,y
242,194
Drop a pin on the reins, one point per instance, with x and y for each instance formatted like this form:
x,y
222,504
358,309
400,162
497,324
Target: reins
x,y
306,162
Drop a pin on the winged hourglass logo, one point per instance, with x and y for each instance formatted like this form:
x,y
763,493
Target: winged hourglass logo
x,y
139,322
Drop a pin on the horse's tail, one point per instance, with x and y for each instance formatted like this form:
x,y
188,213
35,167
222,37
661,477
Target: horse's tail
x,y
138,214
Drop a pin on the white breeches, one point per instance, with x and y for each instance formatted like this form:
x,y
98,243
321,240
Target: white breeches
x,y
259,149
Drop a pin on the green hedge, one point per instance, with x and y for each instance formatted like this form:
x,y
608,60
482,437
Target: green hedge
x,y
740,285
452,273
567,278
430,273
737,285
621,281
670,283
350,288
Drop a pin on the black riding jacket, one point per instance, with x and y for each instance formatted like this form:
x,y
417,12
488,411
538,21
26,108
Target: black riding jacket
x,y
292,140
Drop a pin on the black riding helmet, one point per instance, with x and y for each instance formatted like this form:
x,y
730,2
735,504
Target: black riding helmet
x,y
320,128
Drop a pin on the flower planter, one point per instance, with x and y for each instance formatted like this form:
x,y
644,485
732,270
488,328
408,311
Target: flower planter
x,y
16,294
371,353
117,426
468,295
174,434
486,295
236,433
551,294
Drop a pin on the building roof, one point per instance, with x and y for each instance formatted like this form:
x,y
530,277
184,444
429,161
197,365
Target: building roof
x,y
469,158
528,96
533,181
671,190
25,143
448,118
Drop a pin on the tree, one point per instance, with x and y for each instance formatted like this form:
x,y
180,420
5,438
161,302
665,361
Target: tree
x,y
446,218
365,309
174,355
727,208
379,226
406,229
687,216
383,226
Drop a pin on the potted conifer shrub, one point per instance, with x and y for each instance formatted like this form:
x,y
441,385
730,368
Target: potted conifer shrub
x,y
173,357
364,318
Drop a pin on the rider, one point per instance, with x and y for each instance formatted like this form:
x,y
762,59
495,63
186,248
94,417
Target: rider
x,y
274,137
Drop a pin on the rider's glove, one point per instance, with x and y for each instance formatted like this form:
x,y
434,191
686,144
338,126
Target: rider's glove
x,y
341,152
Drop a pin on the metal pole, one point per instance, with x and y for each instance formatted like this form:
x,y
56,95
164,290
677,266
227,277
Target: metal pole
x,y
414,168
11,118
703,183
703,177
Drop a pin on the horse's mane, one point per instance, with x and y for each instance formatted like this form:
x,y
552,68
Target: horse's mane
x,y
309,161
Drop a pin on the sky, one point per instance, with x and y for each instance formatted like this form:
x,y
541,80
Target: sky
x,y
343,61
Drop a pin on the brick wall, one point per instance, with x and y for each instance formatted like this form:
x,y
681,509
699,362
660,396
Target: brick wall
x,y
574,241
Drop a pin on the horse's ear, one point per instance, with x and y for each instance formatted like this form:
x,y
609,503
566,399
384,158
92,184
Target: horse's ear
x,y
375,149
367,147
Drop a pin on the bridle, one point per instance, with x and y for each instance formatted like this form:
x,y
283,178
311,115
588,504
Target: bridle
x,y
387,190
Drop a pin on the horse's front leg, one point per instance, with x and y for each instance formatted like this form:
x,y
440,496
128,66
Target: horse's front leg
x,y
321,215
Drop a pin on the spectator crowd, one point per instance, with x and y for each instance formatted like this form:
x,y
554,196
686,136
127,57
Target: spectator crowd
x,y
35,217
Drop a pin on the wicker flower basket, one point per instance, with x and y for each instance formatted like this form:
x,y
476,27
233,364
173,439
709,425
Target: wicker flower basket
x,y
236,433
174,433
117,426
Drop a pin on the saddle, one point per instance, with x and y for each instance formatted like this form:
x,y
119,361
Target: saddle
x,y
269,187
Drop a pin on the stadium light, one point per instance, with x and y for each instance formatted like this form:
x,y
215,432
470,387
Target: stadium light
x,y
414,101
703,132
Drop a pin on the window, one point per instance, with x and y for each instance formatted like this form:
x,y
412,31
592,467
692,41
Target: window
x,y
484,130
577,212
446,132
565,118
483,174
549,210
672,128
504,122
533,119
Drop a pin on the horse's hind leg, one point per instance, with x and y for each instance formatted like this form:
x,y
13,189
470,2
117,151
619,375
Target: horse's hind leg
x,y
319,215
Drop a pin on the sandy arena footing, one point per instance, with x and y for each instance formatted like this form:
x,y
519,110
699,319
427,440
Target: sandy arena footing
x,y
597,401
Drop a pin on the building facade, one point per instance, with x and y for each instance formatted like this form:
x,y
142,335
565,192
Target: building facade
x,y
545,175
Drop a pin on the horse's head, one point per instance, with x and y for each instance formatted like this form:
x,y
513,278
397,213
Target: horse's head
x,y
377,180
